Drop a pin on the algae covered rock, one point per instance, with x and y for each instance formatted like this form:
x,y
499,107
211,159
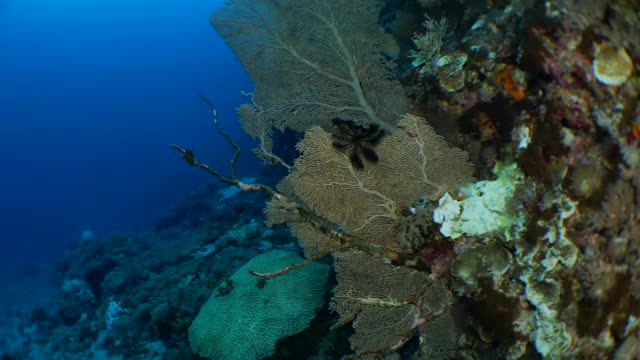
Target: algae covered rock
x,y
483,261
450,71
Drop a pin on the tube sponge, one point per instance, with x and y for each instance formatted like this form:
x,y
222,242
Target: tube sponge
x,y
244,317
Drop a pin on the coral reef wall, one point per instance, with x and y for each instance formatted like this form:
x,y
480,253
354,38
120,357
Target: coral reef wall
x,y
539,257
468,170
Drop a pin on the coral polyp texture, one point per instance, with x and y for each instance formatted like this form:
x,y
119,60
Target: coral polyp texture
x,y
244,319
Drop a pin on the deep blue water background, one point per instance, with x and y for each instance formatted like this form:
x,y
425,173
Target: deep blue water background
x,y
91,94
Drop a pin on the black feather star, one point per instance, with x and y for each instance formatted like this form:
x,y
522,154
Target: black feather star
x,y
357,140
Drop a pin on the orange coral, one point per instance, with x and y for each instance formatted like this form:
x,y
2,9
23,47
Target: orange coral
x,y
511,86
636,132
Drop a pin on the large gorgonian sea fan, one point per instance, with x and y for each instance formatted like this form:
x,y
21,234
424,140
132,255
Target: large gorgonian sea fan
x,y
368,203
314,60
388,304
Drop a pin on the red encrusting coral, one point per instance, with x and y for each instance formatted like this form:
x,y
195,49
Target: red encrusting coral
x,y
512,86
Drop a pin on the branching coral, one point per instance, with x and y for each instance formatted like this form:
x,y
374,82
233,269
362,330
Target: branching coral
x,y
260,127
428,45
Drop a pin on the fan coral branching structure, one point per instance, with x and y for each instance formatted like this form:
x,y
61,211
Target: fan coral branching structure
x,y
388,311
369,204
314,60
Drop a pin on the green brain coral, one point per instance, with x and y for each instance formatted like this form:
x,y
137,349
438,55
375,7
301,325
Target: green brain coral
x,y
245,322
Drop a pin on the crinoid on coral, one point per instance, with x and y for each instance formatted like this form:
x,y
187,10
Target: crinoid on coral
x,y
358,140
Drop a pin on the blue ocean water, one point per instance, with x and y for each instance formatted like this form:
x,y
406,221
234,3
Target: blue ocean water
x,y
91,94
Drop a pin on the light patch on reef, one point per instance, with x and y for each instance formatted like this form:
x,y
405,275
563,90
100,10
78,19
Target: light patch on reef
x,y
485,207
540,267
523,137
